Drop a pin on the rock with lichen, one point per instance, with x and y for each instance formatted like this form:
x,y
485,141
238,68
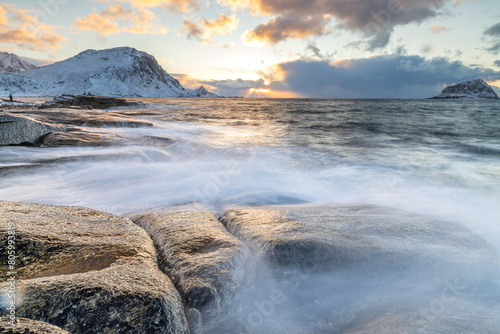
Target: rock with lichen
x,y
205,262
28,326
87,271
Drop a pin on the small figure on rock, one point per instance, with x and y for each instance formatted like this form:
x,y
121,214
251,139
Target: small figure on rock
x,y
11,98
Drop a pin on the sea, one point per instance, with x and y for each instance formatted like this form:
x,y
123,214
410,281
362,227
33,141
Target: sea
x,y
433,157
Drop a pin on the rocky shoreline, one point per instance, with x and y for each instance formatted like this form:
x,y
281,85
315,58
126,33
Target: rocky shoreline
x,y
185,269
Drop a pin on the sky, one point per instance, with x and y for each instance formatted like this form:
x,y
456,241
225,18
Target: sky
x,y
275,48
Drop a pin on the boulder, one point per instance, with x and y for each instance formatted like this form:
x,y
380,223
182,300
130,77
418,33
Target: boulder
x,y
205,262
86,271
16,130
28,326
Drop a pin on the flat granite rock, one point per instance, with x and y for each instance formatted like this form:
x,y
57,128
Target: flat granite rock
x,y
88,118
363,269
205,262
86,271
28,326
358,237
81,137
21,130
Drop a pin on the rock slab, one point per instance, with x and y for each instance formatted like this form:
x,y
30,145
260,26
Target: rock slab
x,y
87,271
20,130
205,262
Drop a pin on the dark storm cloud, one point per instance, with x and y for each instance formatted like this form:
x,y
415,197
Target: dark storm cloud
x,y
493,33
493,30
398,76
282,28
375,19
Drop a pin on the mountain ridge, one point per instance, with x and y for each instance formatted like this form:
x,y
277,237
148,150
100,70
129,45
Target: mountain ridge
x,y
10,63
117,72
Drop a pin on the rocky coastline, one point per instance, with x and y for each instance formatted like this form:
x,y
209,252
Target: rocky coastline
x,y
262,269
185,270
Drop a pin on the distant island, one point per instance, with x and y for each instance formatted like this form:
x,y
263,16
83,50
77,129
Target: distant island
x,y
474,89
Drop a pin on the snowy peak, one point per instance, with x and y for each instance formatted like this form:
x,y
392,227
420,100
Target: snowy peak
x,y
120,71
474,89
10,62
203,92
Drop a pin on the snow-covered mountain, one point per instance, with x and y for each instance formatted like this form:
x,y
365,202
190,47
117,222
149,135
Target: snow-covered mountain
x,y
10,62
474,89
120,71
203,92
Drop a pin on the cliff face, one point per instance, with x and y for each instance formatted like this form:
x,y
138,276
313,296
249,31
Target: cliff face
x,y
474,89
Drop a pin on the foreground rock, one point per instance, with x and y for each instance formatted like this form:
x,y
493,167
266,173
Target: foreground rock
x,y
474,89
357,237
23,131
363,269
28,326
205,262
87,271
95,102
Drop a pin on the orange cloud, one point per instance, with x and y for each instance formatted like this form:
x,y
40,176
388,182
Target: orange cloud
x,y
142,21
281,28
18,29
204,29
438,28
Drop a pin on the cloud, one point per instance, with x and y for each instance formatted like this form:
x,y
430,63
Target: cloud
x,y
389,76
116,19
438,29
281,28
493,33
374,19
37,61
493,30
177,6
20,29
227,87
204,29
496,63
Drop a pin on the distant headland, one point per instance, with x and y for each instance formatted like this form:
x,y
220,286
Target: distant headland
x,y
474,89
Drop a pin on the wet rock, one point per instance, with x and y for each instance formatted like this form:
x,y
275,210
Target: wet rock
x,y
96,102
16,130
205,262
28,326
360,238
363,269
88,118
447,315
87,271
88,138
